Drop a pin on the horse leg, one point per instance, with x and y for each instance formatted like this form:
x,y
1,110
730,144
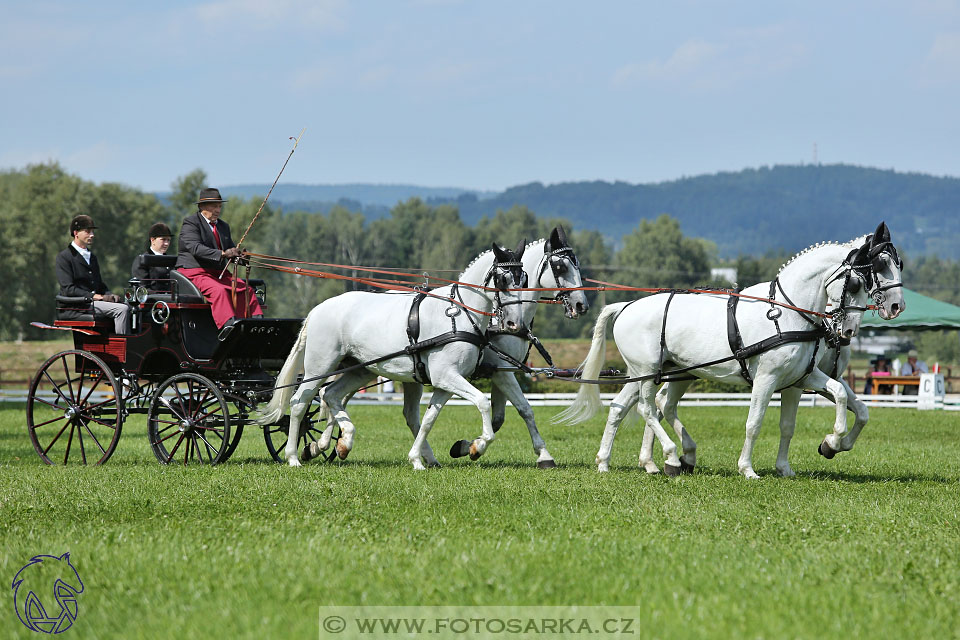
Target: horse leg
x,y
668,400
763,388
618,409
298,407
861,415
437,400
506,388
454,382
789,402
498,406
336,396
648,411
646,450
412,391
342,389
818,381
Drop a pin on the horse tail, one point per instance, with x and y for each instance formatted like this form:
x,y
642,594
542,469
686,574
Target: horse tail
x,y
288,375
587,403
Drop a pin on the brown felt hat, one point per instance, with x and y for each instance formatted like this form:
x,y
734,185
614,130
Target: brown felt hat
x,y
209,195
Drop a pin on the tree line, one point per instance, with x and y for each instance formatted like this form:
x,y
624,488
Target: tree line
x,y
38,202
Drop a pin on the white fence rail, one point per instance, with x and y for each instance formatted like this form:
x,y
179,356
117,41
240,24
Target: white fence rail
x,y
950,403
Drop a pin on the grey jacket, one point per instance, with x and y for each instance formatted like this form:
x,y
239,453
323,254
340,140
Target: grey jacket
x,y
196,246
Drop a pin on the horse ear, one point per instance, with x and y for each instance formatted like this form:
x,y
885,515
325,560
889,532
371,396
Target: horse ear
x,y
882,234
520,248
498,251
562,236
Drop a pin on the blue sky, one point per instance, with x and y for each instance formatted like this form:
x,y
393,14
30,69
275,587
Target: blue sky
x,y
482,94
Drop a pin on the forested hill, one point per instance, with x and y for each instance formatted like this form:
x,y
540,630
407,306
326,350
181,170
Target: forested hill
x,y
754,210
746,212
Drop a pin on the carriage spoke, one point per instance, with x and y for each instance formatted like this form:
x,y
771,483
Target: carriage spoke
x,y
66,454
174,450
66,372
208,446
49,421
58,389
93,387
109,425
83,451
55,438
166,437
97,442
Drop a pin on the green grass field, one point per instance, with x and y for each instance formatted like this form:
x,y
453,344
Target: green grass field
x,y
865,545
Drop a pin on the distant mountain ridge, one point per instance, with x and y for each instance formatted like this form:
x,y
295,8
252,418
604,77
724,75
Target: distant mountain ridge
x,y
746,212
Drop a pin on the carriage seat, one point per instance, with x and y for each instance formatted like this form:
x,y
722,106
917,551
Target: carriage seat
x,y
77,311
187,292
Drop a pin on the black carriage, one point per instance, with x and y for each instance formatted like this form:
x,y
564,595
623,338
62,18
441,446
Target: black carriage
x,y
196,384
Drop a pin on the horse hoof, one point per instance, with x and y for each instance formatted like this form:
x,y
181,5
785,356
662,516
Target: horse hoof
x,y
686,467
474,453
310,451
342,452
546,464
826,450
671,471
460,449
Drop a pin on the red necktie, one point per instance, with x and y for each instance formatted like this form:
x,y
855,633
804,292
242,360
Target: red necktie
x,y
216,236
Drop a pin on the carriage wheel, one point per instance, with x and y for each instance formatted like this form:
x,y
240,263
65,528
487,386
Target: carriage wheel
x,y
81,417
238,418
310,430
189,421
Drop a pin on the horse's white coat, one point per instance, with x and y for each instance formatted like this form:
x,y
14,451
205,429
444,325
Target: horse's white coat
x,y
696,333
365,326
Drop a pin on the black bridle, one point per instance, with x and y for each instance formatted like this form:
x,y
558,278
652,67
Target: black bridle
x,y
555,260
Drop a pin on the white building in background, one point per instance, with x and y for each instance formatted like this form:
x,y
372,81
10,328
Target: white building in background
x,y
726,273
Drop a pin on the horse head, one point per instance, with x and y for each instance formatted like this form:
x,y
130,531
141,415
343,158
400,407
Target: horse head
x,y
39,577
849,296
565,270
507,275
880,265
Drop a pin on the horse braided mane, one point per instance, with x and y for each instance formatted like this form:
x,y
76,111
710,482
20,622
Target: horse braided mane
x,y
477,259
852,244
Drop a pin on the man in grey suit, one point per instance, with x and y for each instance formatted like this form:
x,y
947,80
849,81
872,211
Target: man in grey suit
x,y
204,247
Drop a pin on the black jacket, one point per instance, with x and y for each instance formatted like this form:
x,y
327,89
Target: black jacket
x,y
78,280
153,278
196,246
76,277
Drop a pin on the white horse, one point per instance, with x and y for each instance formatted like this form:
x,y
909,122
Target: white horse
x,y
656,337
549,264
373,329
833,361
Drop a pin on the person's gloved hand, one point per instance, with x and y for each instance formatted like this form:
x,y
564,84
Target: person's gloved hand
x,y
109,297
232,252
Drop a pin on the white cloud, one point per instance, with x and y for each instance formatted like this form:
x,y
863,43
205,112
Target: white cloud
x,y
722,62
941,65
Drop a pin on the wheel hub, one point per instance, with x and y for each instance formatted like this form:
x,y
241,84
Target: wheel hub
x,y
185,425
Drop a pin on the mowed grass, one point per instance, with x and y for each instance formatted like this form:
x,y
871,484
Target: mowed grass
x,y
865,545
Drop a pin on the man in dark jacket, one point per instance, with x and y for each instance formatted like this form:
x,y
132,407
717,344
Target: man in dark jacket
x,y
154,278
78,273
204,247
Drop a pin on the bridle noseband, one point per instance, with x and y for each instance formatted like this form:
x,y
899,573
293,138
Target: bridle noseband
x,y
555,260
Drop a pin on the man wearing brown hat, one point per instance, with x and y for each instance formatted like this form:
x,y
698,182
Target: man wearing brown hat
x,y
78,273
154,278
204,247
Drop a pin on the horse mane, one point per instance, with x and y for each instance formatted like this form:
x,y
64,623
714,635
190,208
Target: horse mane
x,y
474,261
851,244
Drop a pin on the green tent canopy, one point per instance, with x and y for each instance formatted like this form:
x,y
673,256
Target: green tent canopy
x,y
922,313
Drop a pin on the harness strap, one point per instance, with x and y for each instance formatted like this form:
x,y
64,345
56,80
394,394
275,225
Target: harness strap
x,y
658,376
734,339
413,334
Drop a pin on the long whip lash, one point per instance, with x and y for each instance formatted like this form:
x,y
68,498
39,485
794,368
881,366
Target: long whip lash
x,y
296,141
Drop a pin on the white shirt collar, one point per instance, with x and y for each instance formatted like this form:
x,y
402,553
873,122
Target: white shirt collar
x,y
82,251
156,253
